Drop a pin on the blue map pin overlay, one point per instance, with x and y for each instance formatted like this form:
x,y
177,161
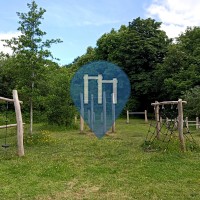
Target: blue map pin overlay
x,y
100,91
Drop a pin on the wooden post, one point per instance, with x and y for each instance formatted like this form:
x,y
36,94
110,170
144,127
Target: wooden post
x,y
113,112
104,112
127,117
81,124
145,116
161,120
20,130
186,123
167,121
75,119
89,118
92,113
157,117
197,123
180,125
175,122
82,114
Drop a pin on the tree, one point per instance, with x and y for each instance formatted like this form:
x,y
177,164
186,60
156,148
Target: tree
x,y
180,70
192,96
137,49
30,52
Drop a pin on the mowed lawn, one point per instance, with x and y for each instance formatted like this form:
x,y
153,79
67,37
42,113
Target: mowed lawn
x,y
64,164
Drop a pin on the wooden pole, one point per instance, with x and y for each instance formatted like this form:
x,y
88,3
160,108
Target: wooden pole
x,y
113,112
8,100
180,125
127,117
8,126
197,123
161,120
81,124
104,112
92,112
145,116
75,119
157,120
82,114
186,123
20,130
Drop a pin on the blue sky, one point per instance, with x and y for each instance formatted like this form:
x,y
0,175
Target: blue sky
x,y
80,23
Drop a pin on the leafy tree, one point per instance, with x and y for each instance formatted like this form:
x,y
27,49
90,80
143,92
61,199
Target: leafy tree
x,y
58,103
180,70
31,52
137,48
192,96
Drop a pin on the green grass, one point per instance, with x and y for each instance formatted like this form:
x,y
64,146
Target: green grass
x,y
64,164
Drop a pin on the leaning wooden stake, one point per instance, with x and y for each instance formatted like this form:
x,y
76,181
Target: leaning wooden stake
x,y
127,117
82,114
157,117
113,112
145,116
186,123
20,131
81,124
197,123
180,125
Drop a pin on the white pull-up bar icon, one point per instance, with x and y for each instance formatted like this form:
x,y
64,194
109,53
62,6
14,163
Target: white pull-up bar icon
x,y
100,81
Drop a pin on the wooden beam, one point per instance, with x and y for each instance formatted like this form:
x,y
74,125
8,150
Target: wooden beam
x,y
8,100
166,103
8,126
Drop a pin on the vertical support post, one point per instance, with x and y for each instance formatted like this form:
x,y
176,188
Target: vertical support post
x,y
75,119
175,122
197,123
113,112
89,119
161,120
20,130
186,123
167,121
157,117
85,88
145,116
92,112
82,114
104,112
99,89
115,90
180,125
101,117
94,117
127,117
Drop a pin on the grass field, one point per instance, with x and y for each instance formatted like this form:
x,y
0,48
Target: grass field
x,y
63,164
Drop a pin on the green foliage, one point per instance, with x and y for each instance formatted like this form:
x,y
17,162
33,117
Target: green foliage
x,y
180,70
41,138
59,106
137,49
192,108
30,54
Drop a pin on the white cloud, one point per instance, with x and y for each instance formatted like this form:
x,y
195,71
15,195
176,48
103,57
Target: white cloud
x,y
176,15
6,36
